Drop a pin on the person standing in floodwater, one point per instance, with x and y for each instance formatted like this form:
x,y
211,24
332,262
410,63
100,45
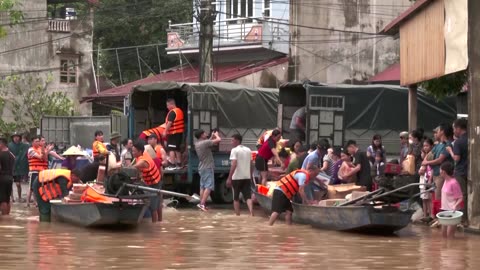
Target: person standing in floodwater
x,y
206,164
7,161
240,175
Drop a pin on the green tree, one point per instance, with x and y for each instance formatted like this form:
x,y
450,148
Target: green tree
x,y
448,85
15,15
120,23
27,99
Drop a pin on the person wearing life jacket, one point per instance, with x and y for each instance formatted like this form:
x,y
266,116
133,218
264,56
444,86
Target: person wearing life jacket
x,y
286,188
158,131
98,148
174,129
52,184
37,156
156,151
267,151
263,138
151,176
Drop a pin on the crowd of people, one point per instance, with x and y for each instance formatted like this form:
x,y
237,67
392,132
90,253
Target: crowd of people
x,y
441,160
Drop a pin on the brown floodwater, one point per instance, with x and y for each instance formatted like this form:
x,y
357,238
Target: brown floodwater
x,y
191,239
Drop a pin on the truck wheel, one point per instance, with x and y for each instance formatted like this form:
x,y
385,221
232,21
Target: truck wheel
x,y
222,194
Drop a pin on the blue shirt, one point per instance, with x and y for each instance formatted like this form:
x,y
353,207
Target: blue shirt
x,y
313,158
437,150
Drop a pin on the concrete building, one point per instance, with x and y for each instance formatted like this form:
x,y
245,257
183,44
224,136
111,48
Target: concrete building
x,y
246,32
336,41
53,40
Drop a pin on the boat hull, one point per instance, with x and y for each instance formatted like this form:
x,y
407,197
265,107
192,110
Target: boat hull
x,y
99,214
366,219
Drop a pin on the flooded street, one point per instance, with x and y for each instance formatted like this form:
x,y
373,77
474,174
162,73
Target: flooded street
x,y
188,238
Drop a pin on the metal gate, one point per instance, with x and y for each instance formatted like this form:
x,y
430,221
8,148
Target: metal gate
x,y
325,119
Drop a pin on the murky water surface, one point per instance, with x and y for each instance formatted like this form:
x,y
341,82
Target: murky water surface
x,y
190,239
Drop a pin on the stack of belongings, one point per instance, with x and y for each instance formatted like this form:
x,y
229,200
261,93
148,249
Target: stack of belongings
x,y
75,195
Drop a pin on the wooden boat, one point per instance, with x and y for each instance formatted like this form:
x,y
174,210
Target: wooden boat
x,y
365,219
88,214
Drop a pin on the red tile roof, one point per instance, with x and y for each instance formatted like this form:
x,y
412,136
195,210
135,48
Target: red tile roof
x,y
392,73
393,27
226,73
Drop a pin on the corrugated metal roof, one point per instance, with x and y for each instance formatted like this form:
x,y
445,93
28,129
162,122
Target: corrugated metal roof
x,y
391,73
226,72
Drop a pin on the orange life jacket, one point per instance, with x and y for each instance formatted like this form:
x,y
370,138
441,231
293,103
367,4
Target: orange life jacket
x,y
91,195
36,164
96,146
158,151
289,184
264,137
178,125
52,174
151,175
49,188
158,131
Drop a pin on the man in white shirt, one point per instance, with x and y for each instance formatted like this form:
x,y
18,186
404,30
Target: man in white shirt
x,y
240,173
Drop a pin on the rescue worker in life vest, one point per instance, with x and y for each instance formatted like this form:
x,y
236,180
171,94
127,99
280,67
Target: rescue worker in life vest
x,y
174,129
151,176
158,131
98,148
287,187
50,185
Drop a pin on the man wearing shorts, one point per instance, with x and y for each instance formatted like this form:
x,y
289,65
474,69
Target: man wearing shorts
x,y
287,188
206,164
240,174
7,161
174,129
20,171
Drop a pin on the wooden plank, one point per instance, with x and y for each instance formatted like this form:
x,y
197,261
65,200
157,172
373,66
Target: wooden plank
x,y
422,45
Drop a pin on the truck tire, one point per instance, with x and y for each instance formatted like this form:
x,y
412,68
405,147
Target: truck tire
x,y
222,194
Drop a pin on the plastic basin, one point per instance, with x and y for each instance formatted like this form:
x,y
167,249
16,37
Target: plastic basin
x,y
450,217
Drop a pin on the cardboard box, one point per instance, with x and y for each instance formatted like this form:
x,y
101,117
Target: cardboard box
x,y
340,191
331,202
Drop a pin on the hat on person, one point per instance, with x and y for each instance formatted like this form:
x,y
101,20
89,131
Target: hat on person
x,y
404,134
153,135
115,135
73,151
16,134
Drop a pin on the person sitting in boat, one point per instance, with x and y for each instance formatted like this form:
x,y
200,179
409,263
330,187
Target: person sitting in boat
x,y
52,184
71,155
99,149
156,151
151,176
287,187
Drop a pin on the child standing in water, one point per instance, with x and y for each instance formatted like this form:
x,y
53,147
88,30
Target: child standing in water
x,y
426,176
452,197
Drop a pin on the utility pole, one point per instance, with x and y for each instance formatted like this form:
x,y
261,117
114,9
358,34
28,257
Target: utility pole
x,y
206,18
473,185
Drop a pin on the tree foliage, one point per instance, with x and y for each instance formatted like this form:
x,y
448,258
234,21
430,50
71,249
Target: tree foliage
x,y
27,99
121,23
15,15
447,85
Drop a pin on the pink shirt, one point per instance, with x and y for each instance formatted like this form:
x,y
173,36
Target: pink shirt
x,y
451,192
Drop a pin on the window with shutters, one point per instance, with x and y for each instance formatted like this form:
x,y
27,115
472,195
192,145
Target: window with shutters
x,y
68,71
323,102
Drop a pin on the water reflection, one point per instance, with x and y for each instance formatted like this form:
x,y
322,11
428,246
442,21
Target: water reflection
x,y
189,239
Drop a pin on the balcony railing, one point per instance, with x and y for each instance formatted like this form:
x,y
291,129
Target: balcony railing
x,y
235,30
58,25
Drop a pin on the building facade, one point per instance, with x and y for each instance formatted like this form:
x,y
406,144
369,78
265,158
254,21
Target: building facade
x,y
55,42
336,41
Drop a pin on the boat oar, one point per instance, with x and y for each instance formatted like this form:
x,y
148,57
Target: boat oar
x,y
190,198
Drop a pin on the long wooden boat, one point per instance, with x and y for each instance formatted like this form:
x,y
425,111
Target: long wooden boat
x,y
365,219
88,214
